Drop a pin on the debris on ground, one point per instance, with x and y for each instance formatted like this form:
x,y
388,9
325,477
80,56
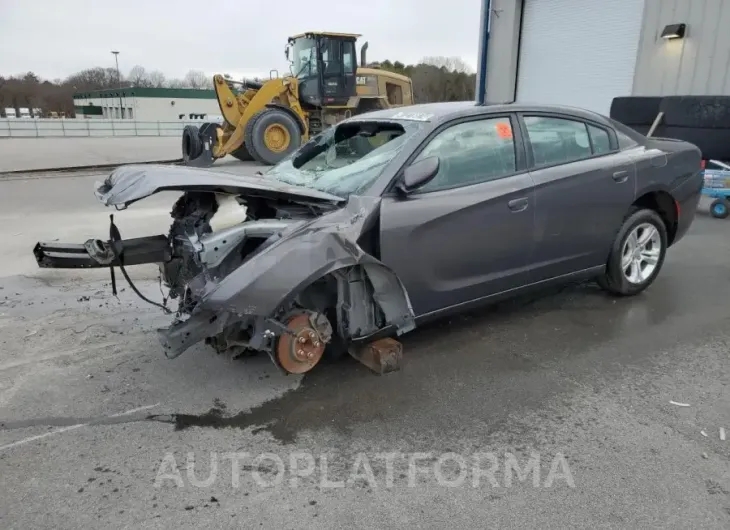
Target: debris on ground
x,y
703,433
680,404
382,356
722,434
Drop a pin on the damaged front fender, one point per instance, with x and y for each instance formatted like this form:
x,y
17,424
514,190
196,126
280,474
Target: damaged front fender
x,y
278,273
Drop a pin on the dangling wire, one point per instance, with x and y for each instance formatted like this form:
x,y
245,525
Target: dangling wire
x,y
114,237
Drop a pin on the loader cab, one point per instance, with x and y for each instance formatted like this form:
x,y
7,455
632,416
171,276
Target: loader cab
x,y
325,65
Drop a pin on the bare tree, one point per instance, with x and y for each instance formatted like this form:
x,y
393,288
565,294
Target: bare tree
x,y
197,79
176,83
452,64
156,79
138,76
95,79
436,82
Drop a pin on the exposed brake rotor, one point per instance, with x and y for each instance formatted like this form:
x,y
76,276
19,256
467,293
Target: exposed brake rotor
x,y
299,350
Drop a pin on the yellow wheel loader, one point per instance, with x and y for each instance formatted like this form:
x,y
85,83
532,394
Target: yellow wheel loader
x,y
266,121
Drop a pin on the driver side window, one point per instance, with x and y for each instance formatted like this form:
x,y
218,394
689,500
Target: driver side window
x,y
471,152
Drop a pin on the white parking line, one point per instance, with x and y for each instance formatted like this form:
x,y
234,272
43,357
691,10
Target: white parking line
x,y
72,427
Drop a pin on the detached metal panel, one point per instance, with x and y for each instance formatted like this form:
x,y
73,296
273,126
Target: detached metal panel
x,y
699,63
578,52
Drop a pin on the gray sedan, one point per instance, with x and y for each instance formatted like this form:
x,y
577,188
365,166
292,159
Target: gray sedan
x,y
396,217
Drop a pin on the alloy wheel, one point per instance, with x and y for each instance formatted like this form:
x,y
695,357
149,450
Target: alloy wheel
x,y
641,253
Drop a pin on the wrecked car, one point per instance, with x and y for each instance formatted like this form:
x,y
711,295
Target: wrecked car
x,y
395,217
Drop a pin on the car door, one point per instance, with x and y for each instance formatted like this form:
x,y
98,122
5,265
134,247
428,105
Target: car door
x,y
467,233
584,185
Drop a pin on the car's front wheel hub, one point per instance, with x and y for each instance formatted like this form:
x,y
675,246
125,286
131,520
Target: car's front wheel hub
x,y
301,348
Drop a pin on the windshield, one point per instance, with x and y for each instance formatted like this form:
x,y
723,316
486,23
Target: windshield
x,y
304,58
345,159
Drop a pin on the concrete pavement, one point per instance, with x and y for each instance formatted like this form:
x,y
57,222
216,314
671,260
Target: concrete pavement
x,y
98,429
17,154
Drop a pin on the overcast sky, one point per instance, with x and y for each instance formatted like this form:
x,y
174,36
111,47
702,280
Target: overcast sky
x,y
55,38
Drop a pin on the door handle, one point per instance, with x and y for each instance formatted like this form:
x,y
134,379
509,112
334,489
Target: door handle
x,y
621,176
518,205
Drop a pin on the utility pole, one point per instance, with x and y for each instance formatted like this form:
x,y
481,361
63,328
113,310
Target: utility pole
x,y
484,28
119,82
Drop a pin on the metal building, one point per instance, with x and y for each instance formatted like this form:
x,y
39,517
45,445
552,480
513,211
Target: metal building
x,y
147,104
586,52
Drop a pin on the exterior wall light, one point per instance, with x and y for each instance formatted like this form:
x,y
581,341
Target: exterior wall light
x,y
674,31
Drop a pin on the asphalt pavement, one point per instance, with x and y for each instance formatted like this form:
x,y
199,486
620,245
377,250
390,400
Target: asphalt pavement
x,y
569,409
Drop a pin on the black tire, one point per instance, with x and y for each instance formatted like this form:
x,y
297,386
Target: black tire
x,y
641,129
635,110
613,280
242,153
254,135
700,112
192,147
720,208
714,143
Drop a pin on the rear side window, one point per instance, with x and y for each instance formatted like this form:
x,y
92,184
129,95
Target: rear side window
x,y
600,140
560,140
625,141
625,135
471,152
557,140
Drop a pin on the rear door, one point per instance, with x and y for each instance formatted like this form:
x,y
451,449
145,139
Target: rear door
x,y
584,186
466,234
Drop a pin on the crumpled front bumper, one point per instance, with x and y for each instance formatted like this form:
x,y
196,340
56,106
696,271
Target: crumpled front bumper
x,y
95,253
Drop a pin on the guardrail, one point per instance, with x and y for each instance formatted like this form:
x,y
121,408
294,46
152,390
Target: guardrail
x,y
70,127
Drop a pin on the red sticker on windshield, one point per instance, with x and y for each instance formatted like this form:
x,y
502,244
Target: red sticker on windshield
x,y
504,130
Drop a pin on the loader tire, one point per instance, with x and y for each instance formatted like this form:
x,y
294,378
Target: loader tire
x,y
192,147
272,135
242,153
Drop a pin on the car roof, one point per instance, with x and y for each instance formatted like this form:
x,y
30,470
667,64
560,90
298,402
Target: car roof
x,y
436,112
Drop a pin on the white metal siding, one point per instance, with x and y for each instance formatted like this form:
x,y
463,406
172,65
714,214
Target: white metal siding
x,y
694,65
580,53
154,109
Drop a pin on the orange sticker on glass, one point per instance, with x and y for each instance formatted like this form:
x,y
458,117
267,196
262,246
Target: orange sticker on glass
x,y
504,130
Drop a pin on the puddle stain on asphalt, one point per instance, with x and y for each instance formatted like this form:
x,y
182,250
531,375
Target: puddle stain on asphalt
x,y
504,356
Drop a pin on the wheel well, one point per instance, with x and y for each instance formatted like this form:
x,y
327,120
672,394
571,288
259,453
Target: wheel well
x,y
663,204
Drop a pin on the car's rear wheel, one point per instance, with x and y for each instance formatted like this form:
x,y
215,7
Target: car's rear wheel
x,y
637,254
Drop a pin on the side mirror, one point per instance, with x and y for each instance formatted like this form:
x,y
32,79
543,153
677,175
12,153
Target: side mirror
x,y
286,52
418,174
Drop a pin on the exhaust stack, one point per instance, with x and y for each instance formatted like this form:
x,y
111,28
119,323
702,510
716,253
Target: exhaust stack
x,y
363,55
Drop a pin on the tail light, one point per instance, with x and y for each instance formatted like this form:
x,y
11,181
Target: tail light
x,y
703,164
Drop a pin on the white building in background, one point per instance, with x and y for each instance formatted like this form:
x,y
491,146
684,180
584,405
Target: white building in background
x,y
584,53
147,104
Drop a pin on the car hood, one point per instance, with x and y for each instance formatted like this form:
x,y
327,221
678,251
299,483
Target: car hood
x,y
128,184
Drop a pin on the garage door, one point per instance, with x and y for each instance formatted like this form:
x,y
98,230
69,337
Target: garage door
x,y
580,53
